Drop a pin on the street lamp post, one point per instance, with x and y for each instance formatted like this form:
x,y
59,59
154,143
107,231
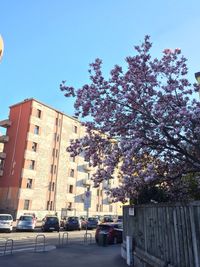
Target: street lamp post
x,y
197,76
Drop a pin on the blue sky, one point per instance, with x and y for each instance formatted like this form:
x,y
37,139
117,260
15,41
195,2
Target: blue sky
x,y
47,41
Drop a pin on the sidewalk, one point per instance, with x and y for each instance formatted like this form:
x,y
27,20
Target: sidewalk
x,y
72,256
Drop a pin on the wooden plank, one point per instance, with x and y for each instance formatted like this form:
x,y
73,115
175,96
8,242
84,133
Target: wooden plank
x,y
194,240
184,237
176,236
189,237
151,260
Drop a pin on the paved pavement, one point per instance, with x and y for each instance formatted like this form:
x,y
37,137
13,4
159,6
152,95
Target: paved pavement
x,y
73,255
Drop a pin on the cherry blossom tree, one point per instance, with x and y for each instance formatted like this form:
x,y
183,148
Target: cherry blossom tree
x,y
144,125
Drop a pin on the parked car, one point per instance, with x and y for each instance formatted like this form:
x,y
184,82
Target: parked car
x,y
107,218
6,222
73,223
50,223
26,222
113,232
90,223
120,218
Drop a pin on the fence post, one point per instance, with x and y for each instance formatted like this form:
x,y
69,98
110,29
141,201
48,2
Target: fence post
x,y
129,250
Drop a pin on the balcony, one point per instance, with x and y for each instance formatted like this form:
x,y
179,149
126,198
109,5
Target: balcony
x,y
109,199
2,155
86,182
4,139
5,123
86,167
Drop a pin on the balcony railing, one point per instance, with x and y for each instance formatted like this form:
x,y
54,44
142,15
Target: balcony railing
x,y
5,123
4,138
86,167
2,155
86,182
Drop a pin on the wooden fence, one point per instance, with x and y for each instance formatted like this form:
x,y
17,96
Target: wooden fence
x,y
164,234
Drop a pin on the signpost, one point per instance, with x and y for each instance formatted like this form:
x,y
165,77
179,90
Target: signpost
x,y
87,205
87,200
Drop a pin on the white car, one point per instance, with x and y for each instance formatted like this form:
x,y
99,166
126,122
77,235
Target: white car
x,y
6,222
26,222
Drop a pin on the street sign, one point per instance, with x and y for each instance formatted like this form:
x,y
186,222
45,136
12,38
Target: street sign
x,y
87,200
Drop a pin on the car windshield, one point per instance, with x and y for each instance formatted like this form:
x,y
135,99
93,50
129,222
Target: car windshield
x,y
105,227
92,219
26,218
52,219
5,217
73,219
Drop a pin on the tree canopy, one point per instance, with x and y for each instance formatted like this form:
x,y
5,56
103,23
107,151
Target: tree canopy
x,y
145,123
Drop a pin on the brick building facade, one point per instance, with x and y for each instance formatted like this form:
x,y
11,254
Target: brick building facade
x,y
37,174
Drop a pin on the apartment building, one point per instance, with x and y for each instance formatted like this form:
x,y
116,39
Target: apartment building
x,y
37,175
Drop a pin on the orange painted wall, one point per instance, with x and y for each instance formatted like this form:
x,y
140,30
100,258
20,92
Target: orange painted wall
x,y
14,149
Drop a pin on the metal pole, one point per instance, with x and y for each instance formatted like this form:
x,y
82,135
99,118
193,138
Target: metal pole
x,y
86,228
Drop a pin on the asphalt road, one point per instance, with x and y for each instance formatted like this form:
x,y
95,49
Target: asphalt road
x,y
75,253
72,256
26,241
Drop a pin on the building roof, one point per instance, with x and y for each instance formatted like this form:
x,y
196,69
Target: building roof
x,y
33,99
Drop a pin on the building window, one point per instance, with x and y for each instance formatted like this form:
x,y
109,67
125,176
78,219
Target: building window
x,y
56,137
32,165
34,146
26,204
51,205
100,208
51,168
39,112
97,207
29,183
56,153
71,189
75,129
47,205
54,169
36,129
97,193
69,205
72,159
56,121
53,152
71,173
53,186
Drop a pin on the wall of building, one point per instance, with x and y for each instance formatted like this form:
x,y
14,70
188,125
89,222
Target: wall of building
x,y
14,149
40,135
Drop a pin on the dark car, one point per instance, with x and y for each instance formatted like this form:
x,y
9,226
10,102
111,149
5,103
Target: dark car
x,y
107,218
73,223
50,223
113,232
90,223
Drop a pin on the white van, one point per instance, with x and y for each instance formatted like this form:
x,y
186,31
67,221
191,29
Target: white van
x,y
6,222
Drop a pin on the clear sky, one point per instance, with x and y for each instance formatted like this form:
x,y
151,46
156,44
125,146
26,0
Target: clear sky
x,y
47,41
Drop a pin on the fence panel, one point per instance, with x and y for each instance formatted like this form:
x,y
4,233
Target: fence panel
x,y
165,234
